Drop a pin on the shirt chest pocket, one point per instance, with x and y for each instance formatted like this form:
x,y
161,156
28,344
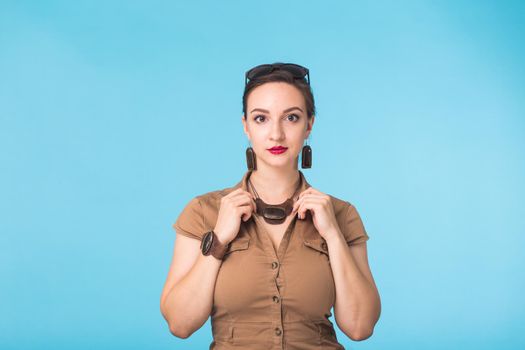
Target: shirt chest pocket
x,y
238,245
318,245
317,278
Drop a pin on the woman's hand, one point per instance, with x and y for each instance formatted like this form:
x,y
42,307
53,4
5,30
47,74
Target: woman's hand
x,y
236,205
321,208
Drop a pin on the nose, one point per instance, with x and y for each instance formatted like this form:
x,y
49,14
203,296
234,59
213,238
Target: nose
x,y
277,131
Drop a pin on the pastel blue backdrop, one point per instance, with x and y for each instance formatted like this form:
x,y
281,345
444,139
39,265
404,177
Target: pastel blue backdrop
x,y
113,115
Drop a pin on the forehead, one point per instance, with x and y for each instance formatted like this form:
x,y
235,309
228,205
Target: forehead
x,y
275,95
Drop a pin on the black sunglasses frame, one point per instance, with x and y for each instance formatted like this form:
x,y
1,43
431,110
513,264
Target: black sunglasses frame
x,y
298,72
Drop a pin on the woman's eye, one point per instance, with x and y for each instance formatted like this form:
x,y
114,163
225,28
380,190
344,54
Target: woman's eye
x,y
295,115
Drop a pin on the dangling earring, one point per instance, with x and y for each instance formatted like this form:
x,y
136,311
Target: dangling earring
x,y
250,159
306,156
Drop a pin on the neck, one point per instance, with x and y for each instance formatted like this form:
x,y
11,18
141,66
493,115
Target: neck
x,y
274,185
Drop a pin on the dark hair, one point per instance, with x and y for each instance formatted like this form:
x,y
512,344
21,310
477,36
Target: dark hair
x,y
281,76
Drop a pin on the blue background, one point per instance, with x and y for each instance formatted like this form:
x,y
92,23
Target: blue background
x,y
113,115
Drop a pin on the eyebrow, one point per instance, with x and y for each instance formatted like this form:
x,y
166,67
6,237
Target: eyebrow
x,y
266,111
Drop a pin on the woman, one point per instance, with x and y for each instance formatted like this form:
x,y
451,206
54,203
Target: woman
x,y
269,257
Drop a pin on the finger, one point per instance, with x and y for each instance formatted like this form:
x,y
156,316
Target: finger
x,y
301,211
238,193
232,197
242,200
253,205
308,195
251,199
310,191
311,204
246,212
307,191
235,193
250,194
298,208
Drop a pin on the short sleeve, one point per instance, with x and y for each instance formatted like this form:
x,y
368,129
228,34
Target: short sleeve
x,y
353,228
190,222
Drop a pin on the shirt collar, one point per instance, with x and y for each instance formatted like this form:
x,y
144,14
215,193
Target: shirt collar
x,y
244,182
305,227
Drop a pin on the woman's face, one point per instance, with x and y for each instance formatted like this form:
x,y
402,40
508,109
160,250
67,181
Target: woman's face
x,y
276,116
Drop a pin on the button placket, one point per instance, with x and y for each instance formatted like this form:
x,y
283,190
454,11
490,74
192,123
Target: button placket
x,y
277,307
276,257
279,315
277,334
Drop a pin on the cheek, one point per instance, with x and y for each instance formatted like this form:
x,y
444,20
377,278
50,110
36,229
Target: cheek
x,y
296,137
259,137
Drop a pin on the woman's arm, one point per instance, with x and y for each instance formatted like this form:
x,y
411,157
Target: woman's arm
x,y
358,305
187,297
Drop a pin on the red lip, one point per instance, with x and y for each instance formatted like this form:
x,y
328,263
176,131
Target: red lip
x,y
277,150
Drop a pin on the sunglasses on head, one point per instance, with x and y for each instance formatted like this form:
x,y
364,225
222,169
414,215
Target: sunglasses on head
x,y
298,72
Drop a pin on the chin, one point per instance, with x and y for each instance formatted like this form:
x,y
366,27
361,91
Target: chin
x,y
283,163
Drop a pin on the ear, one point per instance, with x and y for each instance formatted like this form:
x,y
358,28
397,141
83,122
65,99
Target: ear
x,y
245,126
309,125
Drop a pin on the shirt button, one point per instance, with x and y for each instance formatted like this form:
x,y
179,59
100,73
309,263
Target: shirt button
x,y
278,331
276,298
275,264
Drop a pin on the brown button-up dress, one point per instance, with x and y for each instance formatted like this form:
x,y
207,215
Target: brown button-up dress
x,y
266,299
